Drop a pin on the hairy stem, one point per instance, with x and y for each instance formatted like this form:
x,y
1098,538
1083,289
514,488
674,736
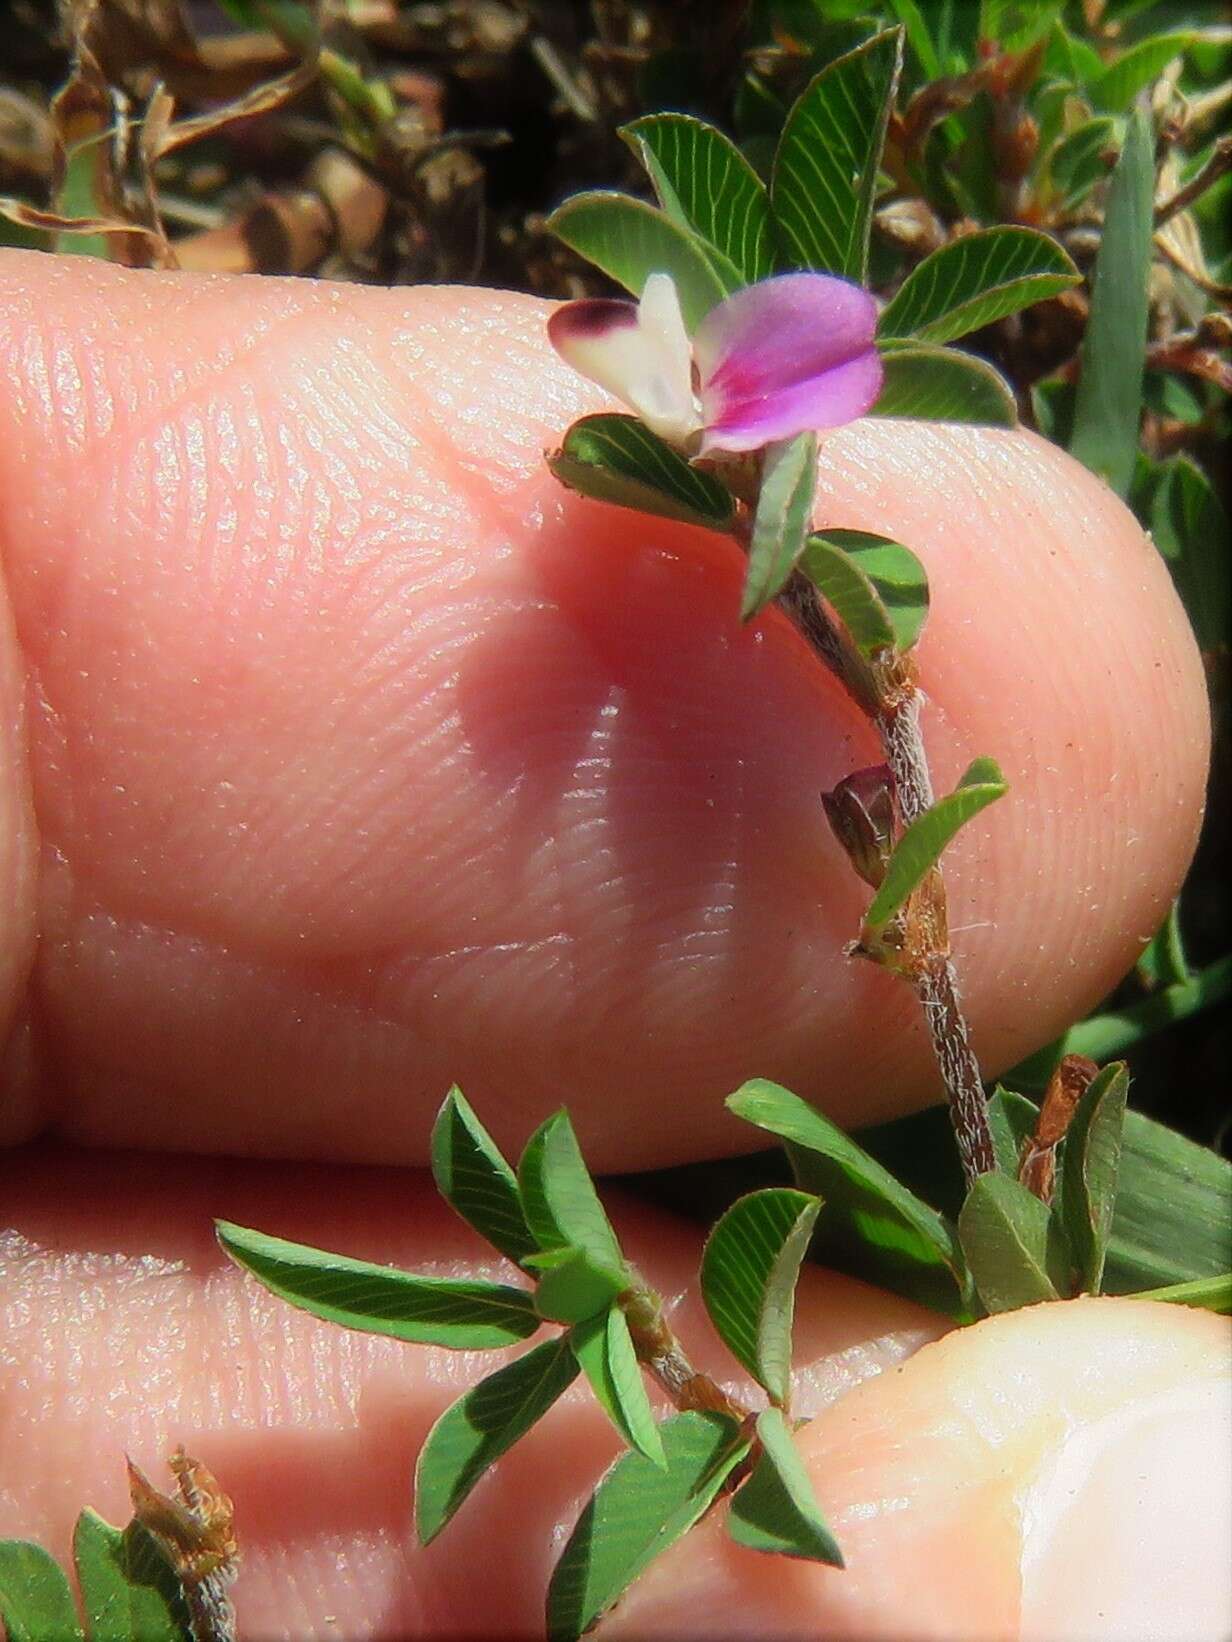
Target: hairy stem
x,y
894,705
661,1354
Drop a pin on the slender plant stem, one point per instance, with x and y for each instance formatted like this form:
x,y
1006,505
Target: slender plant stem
x,y
896,714
1215,167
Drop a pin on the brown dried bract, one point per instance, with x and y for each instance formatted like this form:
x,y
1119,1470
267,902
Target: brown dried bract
x,y
1066,1087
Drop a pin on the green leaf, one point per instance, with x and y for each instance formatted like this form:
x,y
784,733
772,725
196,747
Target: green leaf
x,y
1090,1165
473,1433
129,1589
861,1198
630,240
1012,1244
974,281
1190,528
637,1512
1016,25
825,170
1172,1220
1108,404
465,1316
574,1286
776,1510
562,1206
1011,1119
749,1272
878,588
616,459
1210,1293
1076,164
1163,962
941,385
705,184
475,1179
919,39
1135,69
603,1347
780,525
921,845
36,1603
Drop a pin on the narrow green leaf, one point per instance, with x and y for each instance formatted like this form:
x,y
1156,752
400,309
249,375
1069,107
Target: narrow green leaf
x,y
635,1514
1210,1293
574,1286
705,184
1190,528
1011,1119
861,1197
630,240
780,525
1135,69
1011,1243
603,1347
1108,404
617,459
129,1589
776,1509
878,588
466,1316
919,38
825,170
930,384
473,1433
920,847
1090,1166
475,1179
974,281
749,1271
1163,962
36,1603
1076,164
562,1206
1016,25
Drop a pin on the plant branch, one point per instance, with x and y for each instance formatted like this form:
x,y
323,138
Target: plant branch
x,y
1219,163
661,1354
890,693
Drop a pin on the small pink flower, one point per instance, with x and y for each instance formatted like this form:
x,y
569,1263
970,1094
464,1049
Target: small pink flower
x,y
785,355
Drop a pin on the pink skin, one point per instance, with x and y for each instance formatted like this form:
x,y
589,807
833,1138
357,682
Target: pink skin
x,y
344,754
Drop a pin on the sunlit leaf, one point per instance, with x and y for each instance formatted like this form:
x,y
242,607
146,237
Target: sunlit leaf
x,y
475,1179
1090,1167
975,280
630,240
559,1197
36,1603
617,459
865,1207
825,171
573,1285
749,1271
603,1347
637,1512
1012,1243
705,183
376,1299
781,522
921,845
1208,1293
878,588
941,385
776,1510
473,1433
1135,68
128,1588
1108,405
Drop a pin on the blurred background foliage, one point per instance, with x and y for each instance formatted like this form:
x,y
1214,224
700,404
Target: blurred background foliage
x,y
391,142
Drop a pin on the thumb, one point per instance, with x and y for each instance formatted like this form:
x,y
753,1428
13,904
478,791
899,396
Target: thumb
x,y
361,757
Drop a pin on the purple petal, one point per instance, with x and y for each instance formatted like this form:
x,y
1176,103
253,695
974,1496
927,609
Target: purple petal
x,y
825,401
790,353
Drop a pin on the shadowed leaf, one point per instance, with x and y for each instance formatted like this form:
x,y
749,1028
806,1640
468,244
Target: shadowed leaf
x,y
1089,1171
614,458
931,384
1209,1293
128,1588
1012,1243
603,1347
475,1179
573,1285
780,526
878,588
559,1197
